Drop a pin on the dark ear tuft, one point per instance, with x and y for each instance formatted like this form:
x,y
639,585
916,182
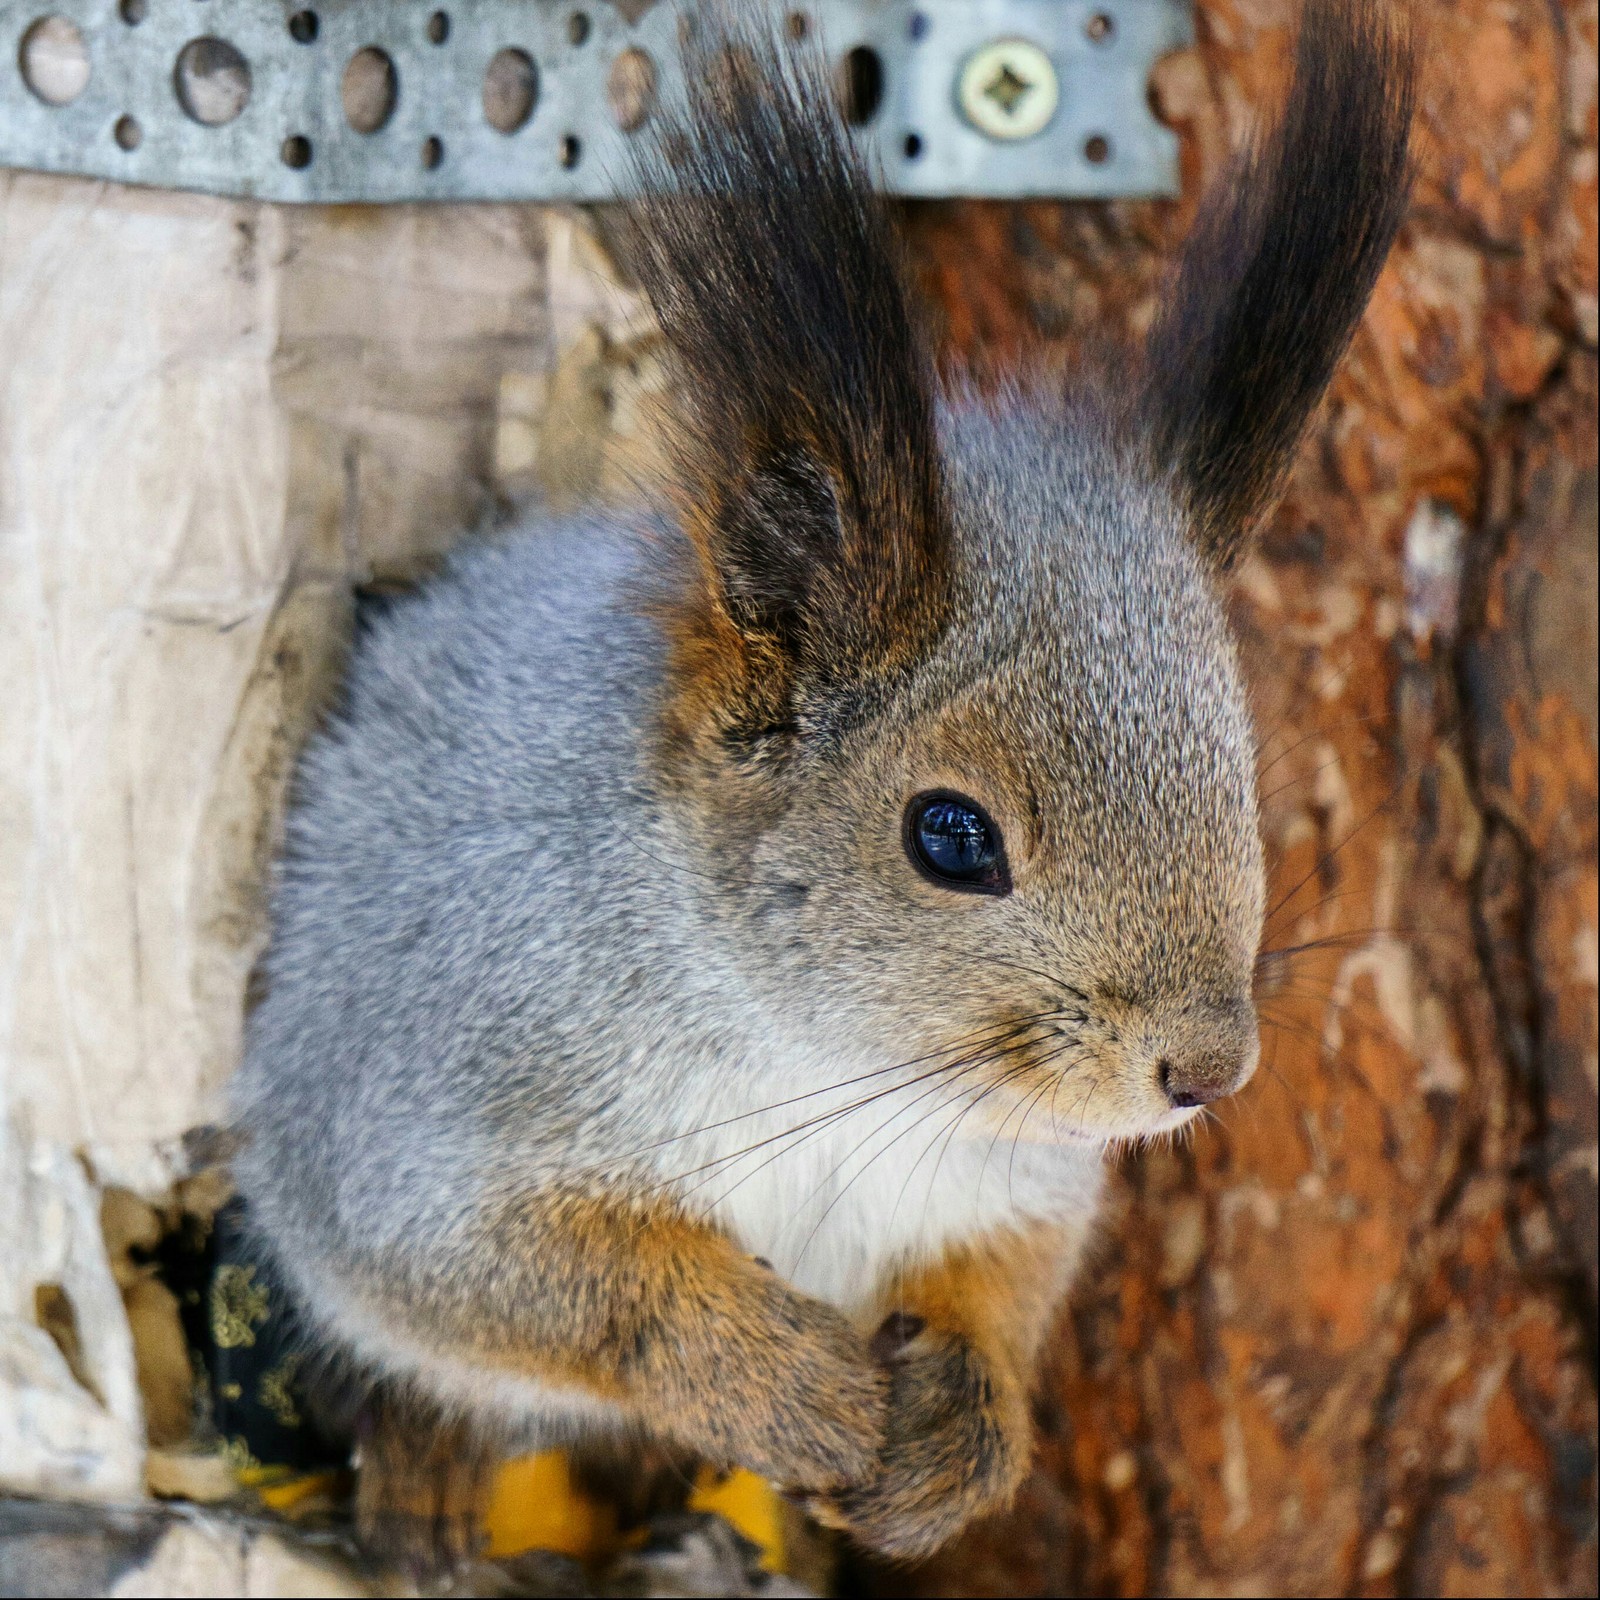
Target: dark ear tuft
x,y
1279,267
807,465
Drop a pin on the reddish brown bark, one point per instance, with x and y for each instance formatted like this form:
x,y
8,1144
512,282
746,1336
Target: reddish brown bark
x,y
1344,1342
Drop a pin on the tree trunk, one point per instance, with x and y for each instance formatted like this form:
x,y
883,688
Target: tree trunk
x,y
1343,1341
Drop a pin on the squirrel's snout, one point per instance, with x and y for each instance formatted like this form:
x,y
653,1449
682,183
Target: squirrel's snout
x,y
1201,1073
1197,1084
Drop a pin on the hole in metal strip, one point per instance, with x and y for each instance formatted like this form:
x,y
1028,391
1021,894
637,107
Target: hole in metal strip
x,y
212,81
510,90
631,89
859,83
369,89
54,61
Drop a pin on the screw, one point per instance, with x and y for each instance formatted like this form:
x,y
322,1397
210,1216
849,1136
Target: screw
x,y
1008,89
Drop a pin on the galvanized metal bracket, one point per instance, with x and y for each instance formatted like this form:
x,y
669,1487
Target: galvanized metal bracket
x,y
387,100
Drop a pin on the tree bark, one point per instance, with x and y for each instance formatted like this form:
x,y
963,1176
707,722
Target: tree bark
x,y
1343,1341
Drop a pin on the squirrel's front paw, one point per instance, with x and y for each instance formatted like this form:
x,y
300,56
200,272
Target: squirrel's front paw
x,y
956,1446
805,1405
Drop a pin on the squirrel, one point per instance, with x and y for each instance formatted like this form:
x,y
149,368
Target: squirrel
x,y
716,944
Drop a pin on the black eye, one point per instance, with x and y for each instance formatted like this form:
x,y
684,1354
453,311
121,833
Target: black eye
x,y
955,844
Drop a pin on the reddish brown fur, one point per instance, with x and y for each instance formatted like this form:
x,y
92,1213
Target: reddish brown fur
x,y
666,1318
708,1348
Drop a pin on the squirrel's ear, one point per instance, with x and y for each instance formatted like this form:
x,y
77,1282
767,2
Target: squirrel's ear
x,y
1278,269
807,469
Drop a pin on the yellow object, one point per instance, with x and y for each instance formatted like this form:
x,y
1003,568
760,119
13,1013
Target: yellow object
x,y
284,1494
750,1504
535,1506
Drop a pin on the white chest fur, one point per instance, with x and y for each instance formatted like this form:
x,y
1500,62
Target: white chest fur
x,y
833,1196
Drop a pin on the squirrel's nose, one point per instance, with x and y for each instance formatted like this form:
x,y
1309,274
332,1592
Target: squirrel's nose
x,y
1196,1078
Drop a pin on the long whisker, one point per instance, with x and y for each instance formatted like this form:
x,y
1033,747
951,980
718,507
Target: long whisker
x,y
1303,777
945,1135
1335,684
1054,1055
1006,1077
971,1041
796,1135
804,1131
1322,731
1016,1139
950,1130
1052,979
1351,937
1323,860
827,1211
1331,899
833,1171
1355,1028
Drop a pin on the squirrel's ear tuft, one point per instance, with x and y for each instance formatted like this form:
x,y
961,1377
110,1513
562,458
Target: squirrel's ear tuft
x,y
1278,269
807,467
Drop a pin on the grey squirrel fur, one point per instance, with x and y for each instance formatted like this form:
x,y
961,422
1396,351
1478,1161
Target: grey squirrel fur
x,y
616,1069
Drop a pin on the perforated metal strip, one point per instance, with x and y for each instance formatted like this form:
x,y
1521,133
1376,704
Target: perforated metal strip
x,y
269,98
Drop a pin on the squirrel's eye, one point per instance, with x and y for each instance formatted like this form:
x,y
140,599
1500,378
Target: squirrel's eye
x,y
954,843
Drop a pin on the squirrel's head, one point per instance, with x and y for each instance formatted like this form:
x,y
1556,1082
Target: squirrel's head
x,y
954,723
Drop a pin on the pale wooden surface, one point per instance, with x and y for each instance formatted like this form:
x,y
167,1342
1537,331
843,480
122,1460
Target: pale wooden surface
x,y
215,419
